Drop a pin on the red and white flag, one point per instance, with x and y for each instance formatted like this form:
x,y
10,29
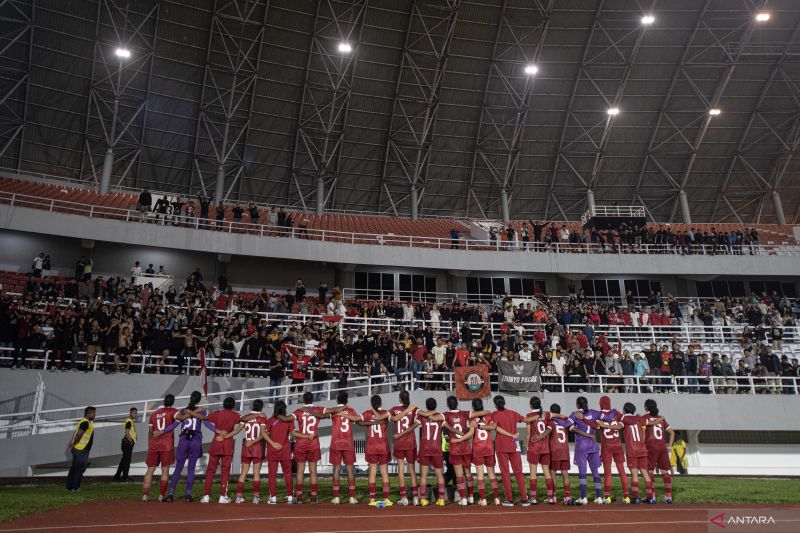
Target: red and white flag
x,y
619,346
204,371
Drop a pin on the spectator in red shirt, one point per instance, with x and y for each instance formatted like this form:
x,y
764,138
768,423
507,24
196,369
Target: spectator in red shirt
x,y
418,353
462,355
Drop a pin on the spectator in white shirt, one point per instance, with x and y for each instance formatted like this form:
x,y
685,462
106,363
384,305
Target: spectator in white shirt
x,y
136,271
436,319
525,353
559,362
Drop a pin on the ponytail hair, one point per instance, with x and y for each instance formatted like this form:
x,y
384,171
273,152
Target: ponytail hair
x,y
477,404
499,402
376,402
452,403
629,408
280,408
536,404
651,407
194,399
405,398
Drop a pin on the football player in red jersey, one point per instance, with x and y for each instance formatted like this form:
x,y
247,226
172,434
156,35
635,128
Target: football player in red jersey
x,y
636,451
559,450
430,451
538,447
160,449
221,451
480,430
657,454
377,450
405,445
457,423
279,453
252,450
611,450
507,450
307,451
342,450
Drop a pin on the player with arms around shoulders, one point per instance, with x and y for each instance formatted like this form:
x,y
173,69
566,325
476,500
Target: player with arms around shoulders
x,y
538,432
586,451
480,430
559,449
635,427
279,452
161,448
657,448
220,454
254,428
430,451
506,448
405,445
457,422
342,450
377,451
610,448
307,451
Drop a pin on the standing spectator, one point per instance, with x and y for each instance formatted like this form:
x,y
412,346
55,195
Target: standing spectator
x,y
220,215
177,211
299,291
204,202
80,446
128,442
322,292
87,269
252,210
237,211
136,271
145,202
36,265
46,266
454,238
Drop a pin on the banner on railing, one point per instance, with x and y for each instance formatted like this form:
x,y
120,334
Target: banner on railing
x,y
519,376
472,382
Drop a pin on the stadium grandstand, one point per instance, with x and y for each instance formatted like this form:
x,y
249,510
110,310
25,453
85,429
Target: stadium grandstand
x,y
308,208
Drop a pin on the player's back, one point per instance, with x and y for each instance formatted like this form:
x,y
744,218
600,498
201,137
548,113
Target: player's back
x,y
159,420
610,438
307,424
342,430
634,435
655,434
409,440
223,420
377,434
458,420
482,444
538,427
430,437
252,428
559,440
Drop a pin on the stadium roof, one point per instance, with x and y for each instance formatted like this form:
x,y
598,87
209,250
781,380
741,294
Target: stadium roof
x,y
452,105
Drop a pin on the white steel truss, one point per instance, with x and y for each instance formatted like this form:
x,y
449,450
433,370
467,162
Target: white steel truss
x,y
16,47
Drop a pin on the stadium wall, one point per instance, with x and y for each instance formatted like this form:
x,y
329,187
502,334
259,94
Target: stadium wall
x,y
744,426
75,226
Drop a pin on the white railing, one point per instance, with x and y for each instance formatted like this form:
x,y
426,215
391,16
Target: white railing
x,y
39,420
388,239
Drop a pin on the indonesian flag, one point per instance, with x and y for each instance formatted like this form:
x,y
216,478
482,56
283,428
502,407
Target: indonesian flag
x,y
619,346
204,371
331,319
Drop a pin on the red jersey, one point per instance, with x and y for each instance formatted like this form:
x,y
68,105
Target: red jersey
x,y
159,420
223,420
482,445
300,366
559,442
537,427
506,419
307,423
377,435
459,420
634,435
252,428
409,440
278,432
430,437
609,438
654,436
342,431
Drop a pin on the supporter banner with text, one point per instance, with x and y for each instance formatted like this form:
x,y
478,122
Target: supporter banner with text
x,y
519,376
472,382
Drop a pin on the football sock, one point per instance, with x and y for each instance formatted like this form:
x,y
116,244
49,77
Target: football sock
x,y
635,488
582,482
598,486
146,489
371,491
470,485
351,486
482,488
257,488
460,487
314,490
495,488
299,492
403,492
422,489
239,488
335,488
667,485
566,488
548,482
440,487
650,490
532,487
386,491
162,489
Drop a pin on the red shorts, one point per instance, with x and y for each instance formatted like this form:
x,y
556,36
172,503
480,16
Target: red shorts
x,y
252,454
162,459
435,461
658,458
615,455
637,462
337,457
307,455
410,456
484,460
377,458
539,459
461,460
559,465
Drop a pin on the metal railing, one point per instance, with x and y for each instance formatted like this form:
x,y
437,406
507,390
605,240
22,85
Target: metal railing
x,y
387,239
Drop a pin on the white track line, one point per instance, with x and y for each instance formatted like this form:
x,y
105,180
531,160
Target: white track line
x,y
376,515
574,524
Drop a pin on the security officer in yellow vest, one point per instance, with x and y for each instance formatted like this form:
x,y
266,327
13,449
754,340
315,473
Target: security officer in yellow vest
x,y
80,446
128,442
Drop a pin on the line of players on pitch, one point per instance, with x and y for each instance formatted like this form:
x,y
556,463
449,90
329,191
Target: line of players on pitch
x,y
477,438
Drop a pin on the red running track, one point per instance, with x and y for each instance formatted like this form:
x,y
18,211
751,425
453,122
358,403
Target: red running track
x,y
155,517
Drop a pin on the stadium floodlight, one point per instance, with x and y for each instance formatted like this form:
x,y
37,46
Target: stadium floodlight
x,y
530,70
612,111
762,17
122,53
648,19
345,47
714,112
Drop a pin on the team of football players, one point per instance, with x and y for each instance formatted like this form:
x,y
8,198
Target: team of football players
x,y
469,439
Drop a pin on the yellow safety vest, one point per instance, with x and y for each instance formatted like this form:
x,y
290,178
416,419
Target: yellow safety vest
x,y
86,437
132,431
445,446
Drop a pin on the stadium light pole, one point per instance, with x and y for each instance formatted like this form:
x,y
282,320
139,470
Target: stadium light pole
x,y
122,54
